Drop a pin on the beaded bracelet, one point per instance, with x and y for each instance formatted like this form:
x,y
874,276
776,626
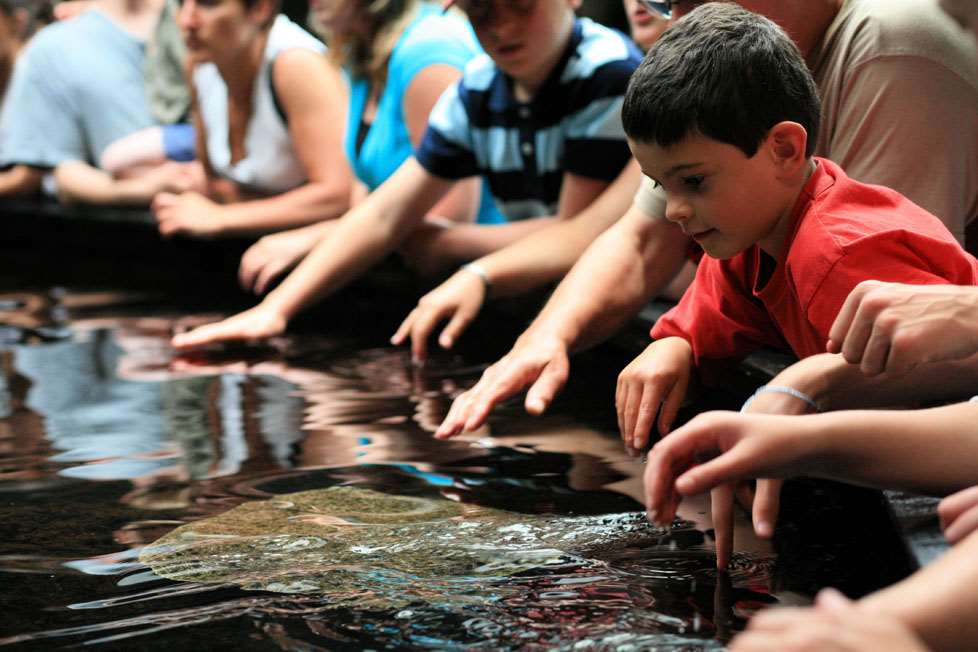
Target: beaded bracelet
x,y
790,391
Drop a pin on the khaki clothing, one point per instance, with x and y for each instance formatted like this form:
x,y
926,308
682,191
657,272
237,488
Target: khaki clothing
x,y
899,87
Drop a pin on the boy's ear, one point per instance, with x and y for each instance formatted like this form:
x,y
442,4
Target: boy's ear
x,y
264,12
786,143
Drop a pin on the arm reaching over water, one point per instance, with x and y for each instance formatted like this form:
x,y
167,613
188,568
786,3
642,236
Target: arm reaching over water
x,y
629,263
525,265
362,237
934,451
891,327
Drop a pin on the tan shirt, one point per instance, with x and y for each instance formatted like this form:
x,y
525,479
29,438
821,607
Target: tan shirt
x,y
899,87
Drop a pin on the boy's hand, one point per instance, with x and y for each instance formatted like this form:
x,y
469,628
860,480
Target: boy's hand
x,y
457,300
835,624
653,383
959,514
892,327
257,323
537,362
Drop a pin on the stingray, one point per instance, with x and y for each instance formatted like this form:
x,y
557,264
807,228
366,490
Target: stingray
x,y
356,544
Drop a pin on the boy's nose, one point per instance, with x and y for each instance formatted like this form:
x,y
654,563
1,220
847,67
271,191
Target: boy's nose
x,y
677,210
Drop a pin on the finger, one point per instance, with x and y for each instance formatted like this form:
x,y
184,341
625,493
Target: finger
x,y
247,271
864,320
831,601
670,406
767,501
751,641
722,503
956,504
456,325
621,400
551,380
455,419
839,331
404,329
648,407
874,359
498,387
663,464
207,334
962,526
268,273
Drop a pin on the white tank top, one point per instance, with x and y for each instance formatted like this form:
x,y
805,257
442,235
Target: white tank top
x,y
270,164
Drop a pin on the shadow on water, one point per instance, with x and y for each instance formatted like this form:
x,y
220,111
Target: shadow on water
x,y
109,442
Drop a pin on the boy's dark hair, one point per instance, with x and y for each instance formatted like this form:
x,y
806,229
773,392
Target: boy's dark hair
x,y
725,73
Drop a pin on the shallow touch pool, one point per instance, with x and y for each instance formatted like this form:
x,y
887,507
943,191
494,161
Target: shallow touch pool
x,y
107,443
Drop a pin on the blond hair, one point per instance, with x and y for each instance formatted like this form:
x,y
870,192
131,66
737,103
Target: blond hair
x,y
365,53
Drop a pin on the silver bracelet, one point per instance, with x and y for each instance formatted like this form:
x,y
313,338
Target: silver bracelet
x,y
779,389
480,271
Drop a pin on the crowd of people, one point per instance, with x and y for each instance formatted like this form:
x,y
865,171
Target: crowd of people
x,y
762,165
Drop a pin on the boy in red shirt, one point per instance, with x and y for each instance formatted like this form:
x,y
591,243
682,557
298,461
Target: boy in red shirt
x,y
723,113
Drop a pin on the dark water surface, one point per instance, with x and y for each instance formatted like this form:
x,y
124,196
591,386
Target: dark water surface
x,y
108,442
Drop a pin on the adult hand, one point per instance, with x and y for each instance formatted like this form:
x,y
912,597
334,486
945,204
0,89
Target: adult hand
x,y
457,300
892,327
959,514
835,624
653,383
275,254
257,323
187,213
535,361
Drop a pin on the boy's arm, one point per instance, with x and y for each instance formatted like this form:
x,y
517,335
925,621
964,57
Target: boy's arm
x,y
526,264
361,238
618,273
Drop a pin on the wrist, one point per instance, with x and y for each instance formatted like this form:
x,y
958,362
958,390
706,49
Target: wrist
x,y
476,270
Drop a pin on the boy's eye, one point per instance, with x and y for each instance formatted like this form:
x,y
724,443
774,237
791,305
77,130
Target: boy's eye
x,y
693,182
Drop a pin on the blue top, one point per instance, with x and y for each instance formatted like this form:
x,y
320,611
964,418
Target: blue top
x,y
77,87
573,124
431,38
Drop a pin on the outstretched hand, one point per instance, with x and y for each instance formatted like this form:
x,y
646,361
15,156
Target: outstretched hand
x,y
457,300
257,323
539,363
892,327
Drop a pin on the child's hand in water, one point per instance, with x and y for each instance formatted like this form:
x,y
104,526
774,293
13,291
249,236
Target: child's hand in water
x,y
258,323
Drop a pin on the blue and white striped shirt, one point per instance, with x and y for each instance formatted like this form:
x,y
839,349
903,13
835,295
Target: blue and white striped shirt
x,y
573,124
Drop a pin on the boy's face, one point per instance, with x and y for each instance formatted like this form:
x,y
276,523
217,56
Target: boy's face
x,y
525,38
721,198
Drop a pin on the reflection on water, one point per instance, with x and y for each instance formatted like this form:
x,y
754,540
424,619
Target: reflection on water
x,y
108,443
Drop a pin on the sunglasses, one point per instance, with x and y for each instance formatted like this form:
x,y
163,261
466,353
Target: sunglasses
x,y
664,7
